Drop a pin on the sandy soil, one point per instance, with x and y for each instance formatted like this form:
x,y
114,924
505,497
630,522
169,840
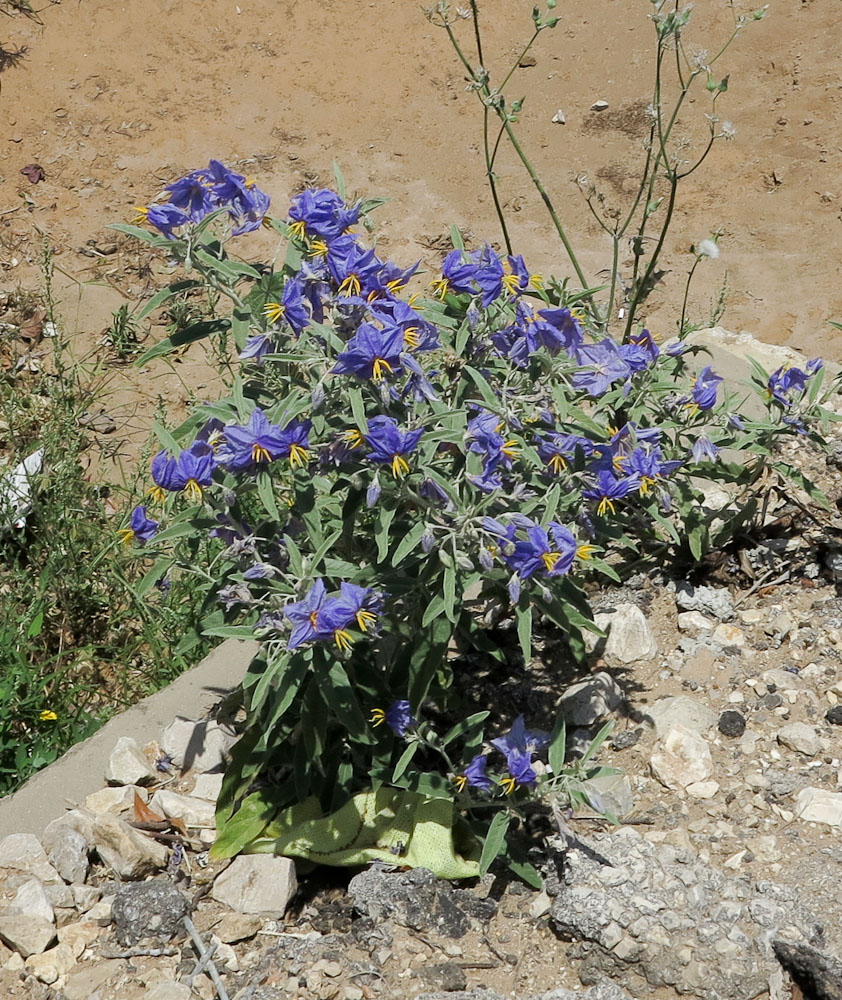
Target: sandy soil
x,y
115,99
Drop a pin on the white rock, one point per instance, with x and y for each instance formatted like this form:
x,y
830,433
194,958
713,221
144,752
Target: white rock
x,y
729,635
202,746
32,901
753,616
681,711
27,935
782,679
630,638
599,105
764,848
694,621
127,851
237,927
52,964
127,764
817,805
207,786
800,737
735,860
69,854
23,852
117,799
702,789
195,812
79,935
540,905
256,883
684,758
602,620
558,118
80,820
169,990
225,955
591,700
611,793
84,896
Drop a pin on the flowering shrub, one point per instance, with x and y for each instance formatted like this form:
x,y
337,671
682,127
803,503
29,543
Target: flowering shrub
x,y
389,472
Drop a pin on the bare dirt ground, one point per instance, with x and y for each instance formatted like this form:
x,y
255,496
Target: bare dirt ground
x,y
116,99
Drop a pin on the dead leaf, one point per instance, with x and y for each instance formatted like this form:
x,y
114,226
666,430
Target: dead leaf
x,y
32,330
143,814
34,173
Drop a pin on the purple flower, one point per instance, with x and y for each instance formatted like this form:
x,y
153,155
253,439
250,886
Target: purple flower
x,y
457,275
488,275
390,445
602,366
248,446
190,471
355,270
398,717
646,342
557,450
291,308
705,389
362,603
785,382
609,488
304,616
321,213
568,332
549,550
141,528
165,218
518,747
257,347
192,194
704,450
648,466
474,775
371,353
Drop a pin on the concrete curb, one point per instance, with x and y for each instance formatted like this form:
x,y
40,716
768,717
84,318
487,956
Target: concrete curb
x,y
81,770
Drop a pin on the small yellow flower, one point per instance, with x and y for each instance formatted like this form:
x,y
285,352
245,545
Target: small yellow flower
x,y
48,716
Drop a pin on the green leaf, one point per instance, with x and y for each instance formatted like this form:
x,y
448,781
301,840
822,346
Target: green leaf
x,y
485,389
251,819
524,630
230,631
433,610
197,331
385,516
466,727
449,585
405,760
166,439
159,569
495,841
408,543
165,293
456,238
526,871
558,745
266,492
153,239
340,181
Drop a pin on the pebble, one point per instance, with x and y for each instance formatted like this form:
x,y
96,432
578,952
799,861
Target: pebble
x,y
51,965
194,811
817,805
702,789
114,799
694,621
626,739
680,711
591,700
127,851
558,118
684,758
800,737
834,715
127,764
630,639
729,635
207,786
256,883
599,105
753,616
202,746
27,935
732,723
715,601
69,855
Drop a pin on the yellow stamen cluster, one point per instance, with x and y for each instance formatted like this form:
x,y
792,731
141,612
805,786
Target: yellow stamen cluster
x,y
606,503
378,717
317,248
646,484
47,715
126,535
365,619
440,287
274,311
585,551
557,464
351,285
510,449
353,438
461,782
298,229
260,454
537,281
297,456
508,785
158,494
343,640
511,282
193,491
377,369
142,214
411,337
549,559
400,466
